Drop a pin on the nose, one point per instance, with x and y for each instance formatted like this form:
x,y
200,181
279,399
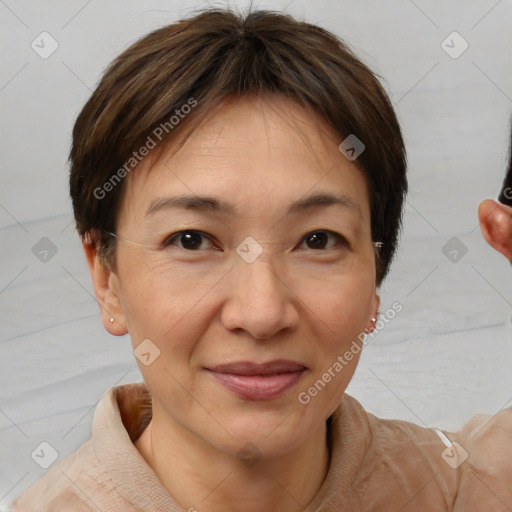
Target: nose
x,y
259,302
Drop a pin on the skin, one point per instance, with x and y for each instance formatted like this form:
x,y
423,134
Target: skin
x,y
496,225
207,307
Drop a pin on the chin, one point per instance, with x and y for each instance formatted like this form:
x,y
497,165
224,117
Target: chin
x,y
272,432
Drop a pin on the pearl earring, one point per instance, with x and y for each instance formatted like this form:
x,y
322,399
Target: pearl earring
x,y
111,320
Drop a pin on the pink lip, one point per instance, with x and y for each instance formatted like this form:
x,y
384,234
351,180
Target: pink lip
x,y
253,381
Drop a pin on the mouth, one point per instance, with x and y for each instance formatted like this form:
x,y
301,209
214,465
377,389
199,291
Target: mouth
x,y
252,381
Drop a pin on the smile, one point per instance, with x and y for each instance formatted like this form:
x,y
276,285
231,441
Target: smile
x,y
252,381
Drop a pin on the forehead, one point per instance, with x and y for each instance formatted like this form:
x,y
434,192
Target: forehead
x,y
255,152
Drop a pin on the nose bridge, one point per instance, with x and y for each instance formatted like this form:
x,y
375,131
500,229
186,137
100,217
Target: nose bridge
x,y
259,302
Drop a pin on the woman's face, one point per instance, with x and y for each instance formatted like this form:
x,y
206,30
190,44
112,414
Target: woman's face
x,y
252,280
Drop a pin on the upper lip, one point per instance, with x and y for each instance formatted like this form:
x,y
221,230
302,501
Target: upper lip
x,y
250,368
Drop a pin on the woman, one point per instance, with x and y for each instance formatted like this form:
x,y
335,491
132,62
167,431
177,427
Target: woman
x,y
238,184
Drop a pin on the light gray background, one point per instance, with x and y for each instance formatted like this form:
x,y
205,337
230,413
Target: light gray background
x,y
444,358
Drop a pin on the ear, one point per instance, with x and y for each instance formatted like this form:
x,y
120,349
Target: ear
x,y
496,225
105,283
374,313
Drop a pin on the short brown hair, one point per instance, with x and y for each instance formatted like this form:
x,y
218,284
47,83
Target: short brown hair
x,y
219,53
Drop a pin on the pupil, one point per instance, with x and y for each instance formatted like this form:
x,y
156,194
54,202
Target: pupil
x,y
190,240
318,239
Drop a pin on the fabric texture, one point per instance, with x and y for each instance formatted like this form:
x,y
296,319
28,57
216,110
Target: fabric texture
x,y
376,465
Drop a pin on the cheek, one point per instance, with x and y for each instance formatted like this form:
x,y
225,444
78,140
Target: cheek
x,y
339,301
338,309
162,299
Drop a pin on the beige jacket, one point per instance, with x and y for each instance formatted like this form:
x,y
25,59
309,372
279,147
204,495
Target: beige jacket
x,y
376,465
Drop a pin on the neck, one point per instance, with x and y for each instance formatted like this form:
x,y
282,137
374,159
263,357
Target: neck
x,y
200,477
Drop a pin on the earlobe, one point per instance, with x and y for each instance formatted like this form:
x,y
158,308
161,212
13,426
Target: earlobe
x,y
376,306
106,290
374,314
496,226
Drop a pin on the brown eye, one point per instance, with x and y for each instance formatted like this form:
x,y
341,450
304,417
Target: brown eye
x,y
188,240
318,240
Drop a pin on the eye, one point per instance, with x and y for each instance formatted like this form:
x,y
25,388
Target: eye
x,y
318,240
193,241
190,240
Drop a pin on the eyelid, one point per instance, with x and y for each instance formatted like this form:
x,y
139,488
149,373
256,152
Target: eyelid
x,y
169,240
335,234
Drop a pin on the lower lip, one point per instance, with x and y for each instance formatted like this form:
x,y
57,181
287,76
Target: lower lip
x,y
258,387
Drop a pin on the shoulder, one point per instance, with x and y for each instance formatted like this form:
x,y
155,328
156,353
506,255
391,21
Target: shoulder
x,y
79,483
84,481
487,471
465,471
489,439
59,488
403,462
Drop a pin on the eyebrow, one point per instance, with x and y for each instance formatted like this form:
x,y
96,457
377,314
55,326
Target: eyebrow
x,y
215,205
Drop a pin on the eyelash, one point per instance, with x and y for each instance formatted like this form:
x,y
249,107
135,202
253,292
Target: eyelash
x,y
169,240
